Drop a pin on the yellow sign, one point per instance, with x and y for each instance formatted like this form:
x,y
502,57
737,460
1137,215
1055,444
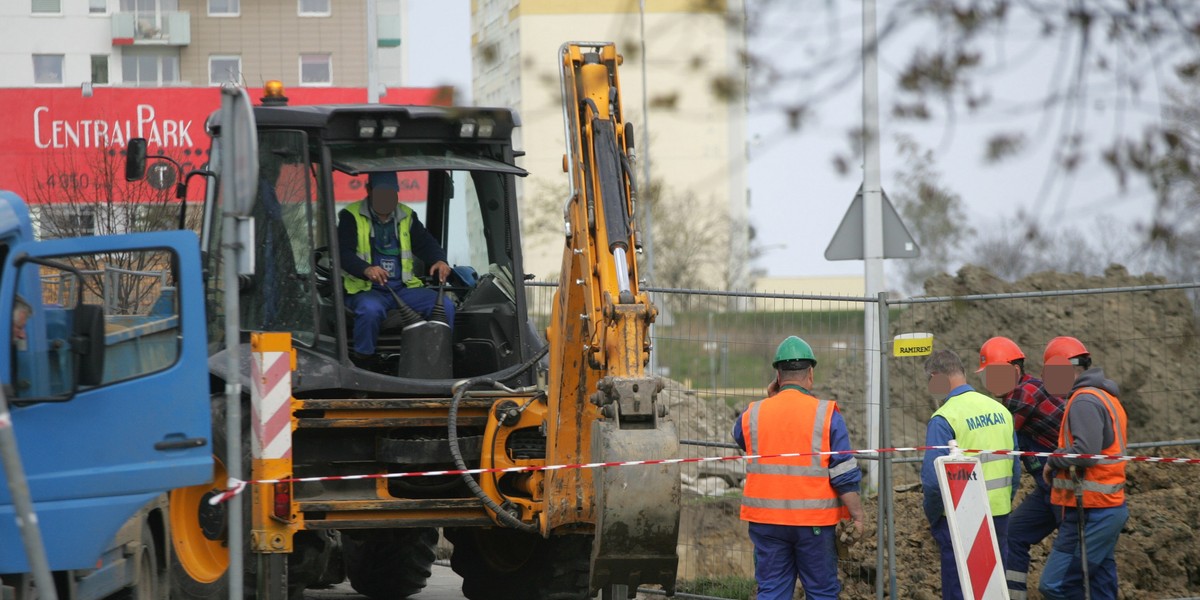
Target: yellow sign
x,y
912,344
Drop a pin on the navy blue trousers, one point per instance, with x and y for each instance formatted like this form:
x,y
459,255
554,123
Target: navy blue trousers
x,y
784,552
1028,524
951,588
1062,579
370,308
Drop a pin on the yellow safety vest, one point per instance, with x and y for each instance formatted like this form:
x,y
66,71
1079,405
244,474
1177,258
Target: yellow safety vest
x,y
362,221
982,423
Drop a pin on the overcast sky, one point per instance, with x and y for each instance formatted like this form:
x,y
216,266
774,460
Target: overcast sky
x,y
797,197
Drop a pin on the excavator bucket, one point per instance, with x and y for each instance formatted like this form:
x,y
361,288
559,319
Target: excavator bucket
x,y
637,508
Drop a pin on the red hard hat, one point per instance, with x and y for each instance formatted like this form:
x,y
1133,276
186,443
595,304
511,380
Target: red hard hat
x,y
1064,347
998,351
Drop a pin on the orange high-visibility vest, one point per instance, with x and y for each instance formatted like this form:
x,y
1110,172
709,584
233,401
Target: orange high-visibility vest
x,y
790,491
1103,483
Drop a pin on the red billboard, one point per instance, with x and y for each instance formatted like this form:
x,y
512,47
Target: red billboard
x,y
55,142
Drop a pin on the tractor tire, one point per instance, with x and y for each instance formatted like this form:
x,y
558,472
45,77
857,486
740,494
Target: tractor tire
x,y
386,564
502,564
199,532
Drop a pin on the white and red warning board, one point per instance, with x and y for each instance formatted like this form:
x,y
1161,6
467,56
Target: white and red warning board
x,y
271,364
976,551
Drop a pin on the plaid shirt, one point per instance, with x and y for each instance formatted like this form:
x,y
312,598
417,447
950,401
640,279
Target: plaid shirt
x,y
1036,413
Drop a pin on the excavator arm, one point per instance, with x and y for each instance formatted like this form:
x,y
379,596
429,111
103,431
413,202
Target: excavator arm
x,y
603,405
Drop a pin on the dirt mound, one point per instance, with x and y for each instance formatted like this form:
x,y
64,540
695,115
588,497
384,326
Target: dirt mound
x,y
1145,341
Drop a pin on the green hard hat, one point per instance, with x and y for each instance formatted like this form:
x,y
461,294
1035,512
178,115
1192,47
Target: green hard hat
x,y
793,349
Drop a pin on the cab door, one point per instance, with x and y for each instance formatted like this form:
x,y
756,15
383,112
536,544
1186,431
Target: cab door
x,y
107,384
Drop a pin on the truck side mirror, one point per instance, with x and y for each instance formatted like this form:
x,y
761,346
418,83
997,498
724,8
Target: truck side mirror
x,y
88,343
135,159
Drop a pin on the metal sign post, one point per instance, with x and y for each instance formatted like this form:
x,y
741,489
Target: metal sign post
x,y
865,230
239,179
18,488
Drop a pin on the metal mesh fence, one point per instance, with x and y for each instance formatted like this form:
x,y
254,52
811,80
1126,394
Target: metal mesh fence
x,y
1144,338
715,348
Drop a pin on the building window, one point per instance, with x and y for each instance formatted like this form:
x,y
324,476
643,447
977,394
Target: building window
x,y
98,7
316,69
224,8
47,7
315,8
99,68
72,219
149,68
224,69
48,69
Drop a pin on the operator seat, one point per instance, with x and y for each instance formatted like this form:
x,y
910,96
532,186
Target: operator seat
x,y
392,329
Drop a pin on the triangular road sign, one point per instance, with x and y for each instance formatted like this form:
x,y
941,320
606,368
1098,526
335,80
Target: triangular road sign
x,y
847,242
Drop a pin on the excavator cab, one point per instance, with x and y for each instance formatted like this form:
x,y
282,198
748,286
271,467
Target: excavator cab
x,y
455,172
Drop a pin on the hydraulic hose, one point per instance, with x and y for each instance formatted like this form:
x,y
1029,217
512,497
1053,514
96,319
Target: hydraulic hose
x,y
460,389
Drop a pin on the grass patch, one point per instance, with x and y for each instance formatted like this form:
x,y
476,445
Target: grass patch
x,y
735,588
721,350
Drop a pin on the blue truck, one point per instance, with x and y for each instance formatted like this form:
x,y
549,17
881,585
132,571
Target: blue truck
x,y
106,379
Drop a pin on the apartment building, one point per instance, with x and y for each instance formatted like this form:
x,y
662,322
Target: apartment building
x,y
150,43
80,77
697,138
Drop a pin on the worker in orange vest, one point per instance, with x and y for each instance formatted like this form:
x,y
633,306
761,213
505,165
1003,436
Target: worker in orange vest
x,y
1089,492
1037,415
794,504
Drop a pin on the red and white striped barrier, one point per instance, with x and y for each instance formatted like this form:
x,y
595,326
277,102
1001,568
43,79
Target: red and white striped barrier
x,y
236,486
972,533
270,404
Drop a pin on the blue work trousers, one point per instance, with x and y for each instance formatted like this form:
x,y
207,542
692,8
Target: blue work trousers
x,y
371,306
1028,524
784,552
1062,579
951,588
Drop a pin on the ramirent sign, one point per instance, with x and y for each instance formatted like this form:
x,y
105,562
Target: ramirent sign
x,y
55,141
912,344
976,552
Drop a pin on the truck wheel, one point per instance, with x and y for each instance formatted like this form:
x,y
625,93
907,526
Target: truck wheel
x,y
146,586
502,564
385,564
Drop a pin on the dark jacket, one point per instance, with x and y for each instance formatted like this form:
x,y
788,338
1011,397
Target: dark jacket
x,y
1091,425
424,246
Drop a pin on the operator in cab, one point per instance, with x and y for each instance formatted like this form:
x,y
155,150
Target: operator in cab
x,y
377,240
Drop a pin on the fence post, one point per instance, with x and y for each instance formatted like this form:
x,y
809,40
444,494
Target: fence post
x,y
886,496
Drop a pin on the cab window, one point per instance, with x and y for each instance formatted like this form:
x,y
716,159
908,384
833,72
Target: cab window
x,y
92,320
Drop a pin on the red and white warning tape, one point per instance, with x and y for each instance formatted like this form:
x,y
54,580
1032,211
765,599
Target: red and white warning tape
x,y
236,485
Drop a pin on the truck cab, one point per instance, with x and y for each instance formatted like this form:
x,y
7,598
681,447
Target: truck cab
x,y
103,371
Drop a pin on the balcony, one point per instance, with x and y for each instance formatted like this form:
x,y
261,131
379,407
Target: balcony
x,y
151,28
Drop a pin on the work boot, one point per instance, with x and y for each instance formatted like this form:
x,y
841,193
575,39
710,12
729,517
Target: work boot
x,y
363,361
